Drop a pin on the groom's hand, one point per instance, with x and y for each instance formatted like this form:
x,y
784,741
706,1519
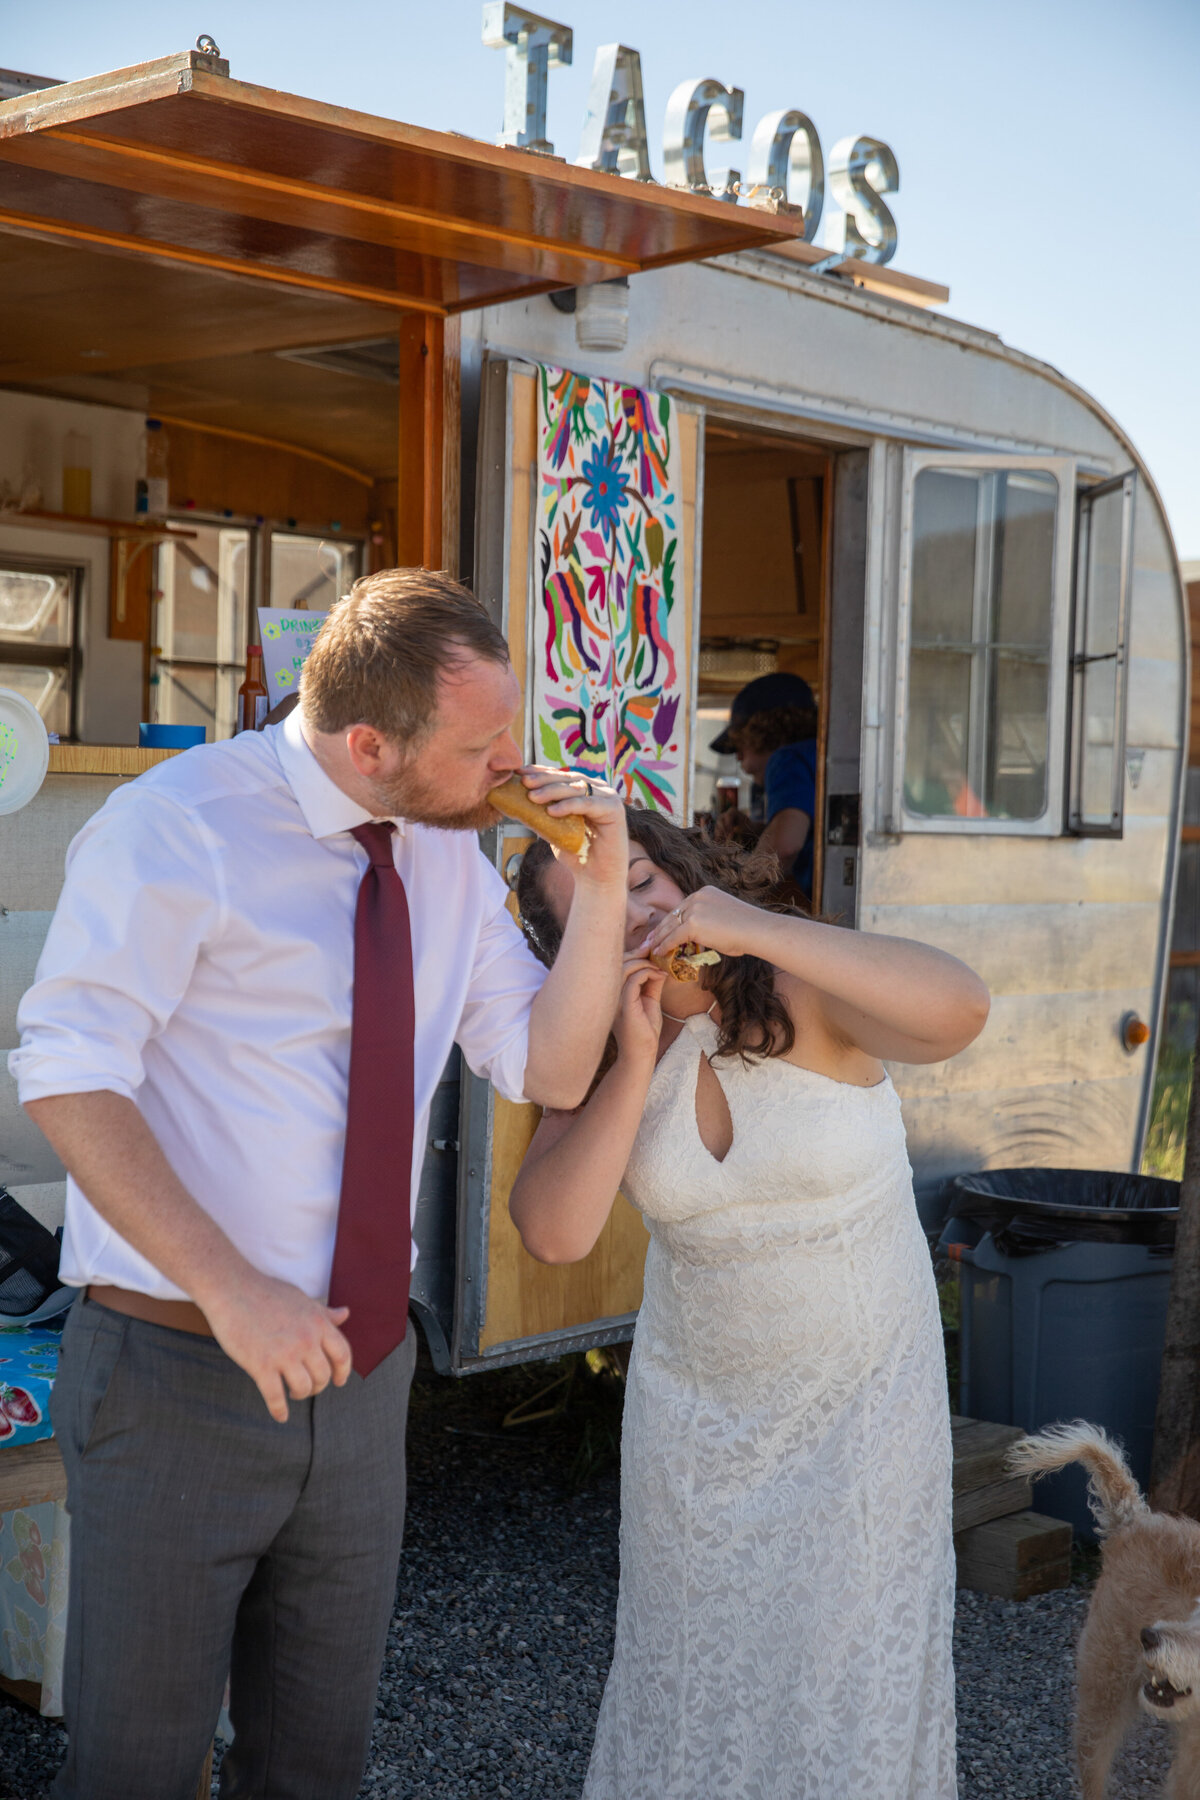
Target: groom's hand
x,y
563,792
288,1343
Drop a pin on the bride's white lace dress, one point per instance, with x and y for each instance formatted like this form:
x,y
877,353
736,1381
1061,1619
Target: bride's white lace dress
x,y
787,1570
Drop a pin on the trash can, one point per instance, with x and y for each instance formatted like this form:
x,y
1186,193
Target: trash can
x,y
1064,1279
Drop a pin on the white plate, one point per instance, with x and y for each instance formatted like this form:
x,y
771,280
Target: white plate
x,y
24,751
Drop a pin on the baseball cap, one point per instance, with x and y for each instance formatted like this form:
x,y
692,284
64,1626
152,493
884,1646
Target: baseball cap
x,y
764,694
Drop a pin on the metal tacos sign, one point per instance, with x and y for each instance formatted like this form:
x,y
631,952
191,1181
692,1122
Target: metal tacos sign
x,y
786,165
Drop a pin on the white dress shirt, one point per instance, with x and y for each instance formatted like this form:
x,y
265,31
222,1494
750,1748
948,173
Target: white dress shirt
x,y
201,963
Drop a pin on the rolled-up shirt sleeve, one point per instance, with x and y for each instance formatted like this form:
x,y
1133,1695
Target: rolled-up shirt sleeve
x,y
141,894
493,1031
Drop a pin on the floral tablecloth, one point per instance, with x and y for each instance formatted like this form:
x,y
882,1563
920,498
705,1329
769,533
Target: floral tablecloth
x,y
34,1554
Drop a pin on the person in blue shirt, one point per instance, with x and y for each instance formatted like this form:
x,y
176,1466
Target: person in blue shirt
x,y
773,732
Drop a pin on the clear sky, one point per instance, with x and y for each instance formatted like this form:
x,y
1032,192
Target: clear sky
x,y
1046,148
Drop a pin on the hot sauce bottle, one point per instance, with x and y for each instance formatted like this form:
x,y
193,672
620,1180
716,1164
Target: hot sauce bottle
x,y
253,701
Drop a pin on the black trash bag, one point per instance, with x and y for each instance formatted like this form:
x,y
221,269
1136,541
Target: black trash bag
x,y
1028,1210
28,1260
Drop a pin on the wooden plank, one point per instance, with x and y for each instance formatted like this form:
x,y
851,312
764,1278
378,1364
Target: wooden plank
x,y
993,1501
936,869
687,424
526,1298
29,1693
521,486
31,1474
1047,949
451,445
1022,1554
980,1449
105,759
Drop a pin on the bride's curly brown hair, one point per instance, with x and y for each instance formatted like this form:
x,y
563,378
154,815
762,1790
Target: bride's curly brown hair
x,y
754,1021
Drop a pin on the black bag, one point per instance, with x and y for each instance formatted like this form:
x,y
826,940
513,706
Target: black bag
x,y
28,1260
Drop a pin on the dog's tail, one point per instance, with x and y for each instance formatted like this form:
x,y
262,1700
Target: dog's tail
x,y
1113,1495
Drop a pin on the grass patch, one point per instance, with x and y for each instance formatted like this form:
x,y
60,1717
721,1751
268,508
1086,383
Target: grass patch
x,y
1167,1136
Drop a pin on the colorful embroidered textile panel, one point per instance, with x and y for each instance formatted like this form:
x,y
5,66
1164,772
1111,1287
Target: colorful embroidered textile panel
x,y
610,650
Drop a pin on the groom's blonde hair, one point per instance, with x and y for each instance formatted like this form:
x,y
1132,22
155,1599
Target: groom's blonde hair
x,y
380,655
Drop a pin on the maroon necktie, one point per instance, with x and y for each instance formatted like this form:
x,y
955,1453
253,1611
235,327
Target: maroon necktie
x,y
373,1251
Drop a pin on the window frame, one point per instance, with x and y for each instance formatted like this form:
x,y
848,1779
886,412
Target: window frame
x,y
1085,499
1063,469
67,656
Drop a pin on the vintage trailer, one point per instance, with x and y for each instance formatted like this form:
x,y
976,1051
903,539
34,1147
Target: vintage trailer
x,y
369,344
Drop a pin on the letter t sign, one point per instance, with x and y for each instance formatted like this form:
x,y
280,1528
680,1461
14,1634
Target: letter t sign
x,y
532,47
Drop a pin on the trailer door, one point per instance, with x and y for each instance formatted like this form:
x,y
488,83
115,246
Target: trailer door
x,y
509,1308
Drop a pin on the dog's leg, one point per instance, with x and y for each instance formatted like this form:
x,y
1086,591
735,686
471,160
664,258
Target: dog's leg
x,y
1101,1720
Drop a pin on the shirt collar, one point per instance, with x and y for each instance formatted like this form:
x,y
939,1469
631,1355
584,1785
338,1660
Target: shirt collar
x,y
326,809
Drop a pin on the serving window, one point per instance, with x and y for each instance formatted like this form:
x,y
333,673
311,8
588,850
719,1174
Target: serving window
x,y
982,644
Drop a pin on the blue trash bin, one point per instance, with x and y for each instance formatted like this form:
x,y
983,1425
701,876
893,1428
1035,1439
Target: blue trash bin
x,y
1065,1275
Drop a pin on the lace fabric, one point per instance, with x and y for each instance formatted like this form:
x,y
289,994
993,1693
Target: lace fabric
x,y
787,1572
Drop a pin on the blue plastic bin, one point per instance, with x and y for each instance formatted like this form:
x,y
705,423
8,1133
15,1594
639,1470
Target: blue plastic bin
x,y
1064,1302
170,737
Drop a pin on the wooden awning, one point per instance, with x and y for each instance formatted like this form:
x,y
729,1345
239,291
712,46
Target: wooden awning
x,y
174,161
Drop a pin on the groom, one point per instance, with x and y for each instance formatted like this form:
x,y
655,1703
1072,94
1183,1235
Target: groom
x,y
263,953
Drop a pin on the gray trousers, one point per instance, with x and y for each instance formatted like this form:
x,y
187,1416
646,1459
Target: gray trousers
x,y
208,1540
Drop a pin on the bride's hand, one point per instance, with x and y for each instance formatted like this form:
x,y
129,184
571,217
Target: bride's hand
x,y
710,917
639,1017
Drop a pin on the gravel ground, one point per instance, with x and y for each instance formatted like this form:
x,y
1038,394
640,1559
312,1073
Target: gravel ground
x,y
503,1623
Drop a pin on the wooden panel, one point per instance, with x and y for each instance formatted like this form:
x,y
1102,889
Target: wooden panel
x,y
31,1474
1036,949
174,161
932,870
451,445
527,1298
518,580
1059,1125
1193,607
142,316
217,472
104,759
1038,1038
419,502
687,424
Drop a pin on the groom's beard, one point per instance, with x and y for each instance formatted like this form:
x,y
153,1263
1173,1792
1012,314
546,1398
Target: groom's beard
x,y
410,796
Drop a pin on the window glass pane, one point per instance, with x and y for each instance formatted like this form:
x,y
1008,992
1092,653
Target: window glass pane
x,y
47,689
308,574
205,587
935,775
1025,561
982,588
197,696
35,606
945,520
1097,634
1017,788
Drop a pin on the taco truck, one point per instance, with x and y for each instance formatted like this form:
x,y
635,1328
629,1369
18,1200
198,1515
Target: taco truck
x,y
672,442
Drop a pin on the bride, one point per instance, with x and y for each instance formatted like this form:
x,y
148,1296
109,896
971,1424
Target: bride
x,y
787,1571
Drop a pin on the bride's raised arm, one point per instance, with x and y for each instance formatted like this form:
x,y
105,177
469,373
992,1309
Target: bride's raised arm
x,y
566,1185
890,997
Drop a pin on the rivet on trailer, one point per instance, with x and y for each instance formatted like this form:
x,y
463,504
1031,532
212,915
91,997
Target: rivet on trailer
x,y
343,322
